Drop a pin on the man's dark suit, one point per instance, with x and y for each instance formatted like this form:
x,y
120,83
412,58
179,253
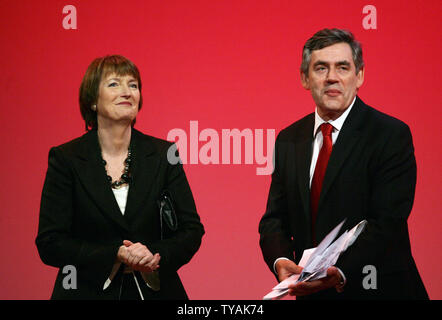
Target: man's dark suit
x,y
371,174
82,225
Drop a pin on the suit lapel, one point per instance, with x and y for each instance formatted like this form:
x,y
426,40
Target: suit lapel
x,y
143,171
347,139
303,155
92,174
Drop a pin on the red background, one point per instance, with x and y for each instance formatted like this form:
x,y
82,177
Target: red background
x,y
227,64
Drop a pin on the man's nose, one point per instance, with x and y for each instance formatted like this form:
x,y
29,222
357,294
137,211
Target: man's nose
x,y
332,76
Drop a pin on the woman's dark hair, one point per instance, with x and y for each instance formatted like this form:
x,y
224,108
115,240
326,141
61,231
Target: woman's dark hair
x,y
89,88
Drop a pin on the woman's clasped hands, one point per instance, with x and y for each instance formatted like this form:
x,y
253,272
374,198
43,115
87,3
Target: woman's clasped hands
x,y
138,257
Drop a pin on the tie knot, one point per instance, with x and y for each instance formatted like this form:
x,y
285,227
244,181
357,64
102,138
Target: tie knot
x,y
326,129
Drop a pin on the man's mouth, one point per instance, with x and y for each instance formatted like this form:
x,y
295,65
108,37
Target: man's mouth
x,y
332,92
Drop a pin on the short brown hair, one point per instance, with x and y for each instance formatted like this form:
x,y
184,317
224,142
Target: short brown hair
x,y
327,37
89,88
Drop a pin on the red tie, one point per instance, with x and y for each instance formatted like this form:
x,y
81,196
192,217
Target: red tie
x,y
318,176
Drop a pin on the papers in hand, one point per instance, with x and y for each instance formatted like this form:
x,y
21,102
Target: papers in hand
x,y
316,261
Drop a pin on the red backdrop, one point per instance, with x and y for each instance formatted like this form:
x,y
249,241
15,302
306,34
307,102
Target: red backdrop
x,y
226,64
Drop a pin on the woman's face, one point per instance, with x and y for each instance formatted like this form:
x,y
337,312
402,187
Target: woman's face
x,y
118,99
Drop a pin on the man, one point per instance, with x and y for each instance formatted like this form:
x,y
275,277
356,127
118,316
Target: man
x,y
344,161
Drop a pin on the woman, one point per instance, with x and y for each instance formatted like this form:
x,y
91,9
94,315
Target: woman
x,y
99,211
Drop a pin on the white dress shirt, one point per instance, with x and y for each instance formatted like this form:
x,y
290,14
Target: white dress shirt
x,y
121,197
317,144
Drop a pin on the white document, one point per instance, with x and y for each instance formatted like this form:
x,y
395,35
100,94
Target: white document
x,y
293,278
316,261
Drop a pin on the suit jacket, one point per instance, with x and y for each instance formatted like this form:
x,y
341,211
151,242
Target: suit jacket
x,y
81,224
371,175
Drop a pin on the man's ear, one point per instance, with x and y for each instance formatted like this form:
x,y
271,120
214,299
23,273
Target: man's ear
x,y
360,76
305,81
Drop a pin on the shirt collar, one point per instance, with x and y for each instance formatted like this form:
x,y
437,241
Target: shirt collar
x,y
337,123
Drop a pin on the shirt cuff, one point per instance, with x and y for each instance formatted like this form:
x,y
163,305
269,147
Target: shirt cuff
x,y
340,286
274,263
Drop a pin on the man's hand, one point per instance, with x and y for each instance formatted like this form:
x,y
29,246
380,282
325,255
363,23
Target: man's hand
x,y
285,268
138,257
332,280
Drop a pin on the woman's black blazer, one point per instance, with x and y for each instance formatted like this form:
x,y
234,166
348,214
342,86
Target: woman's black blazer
x,y
82,226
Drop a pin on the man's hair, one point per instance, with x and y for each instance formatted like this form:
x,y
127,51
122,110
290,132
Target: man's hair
x,y
327,37
97,71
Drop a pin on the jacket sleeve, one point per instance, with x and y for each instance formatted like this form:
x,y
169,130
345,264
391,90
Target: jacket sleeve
x,y
385,243
56,245
177,249
274,240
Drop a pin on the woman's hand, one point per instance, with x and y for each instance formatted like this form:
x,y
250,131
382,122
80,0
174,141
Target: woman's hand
x,y
138,257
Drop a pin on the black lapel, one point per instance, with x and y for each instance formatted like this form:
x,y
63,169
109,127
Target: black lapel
x,y
349,135
303,147
92,174
143,171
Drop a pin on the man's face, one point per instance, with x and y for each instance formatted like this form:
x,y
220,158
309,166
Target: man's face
x,y
332,79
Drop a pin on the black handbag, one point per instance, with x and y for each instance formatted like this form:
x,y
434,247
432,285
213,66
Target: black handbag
x,y
168,224
168,218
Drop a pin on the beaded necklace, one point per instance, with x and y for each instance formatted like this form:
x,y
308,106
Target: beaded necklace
x,y
125,177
